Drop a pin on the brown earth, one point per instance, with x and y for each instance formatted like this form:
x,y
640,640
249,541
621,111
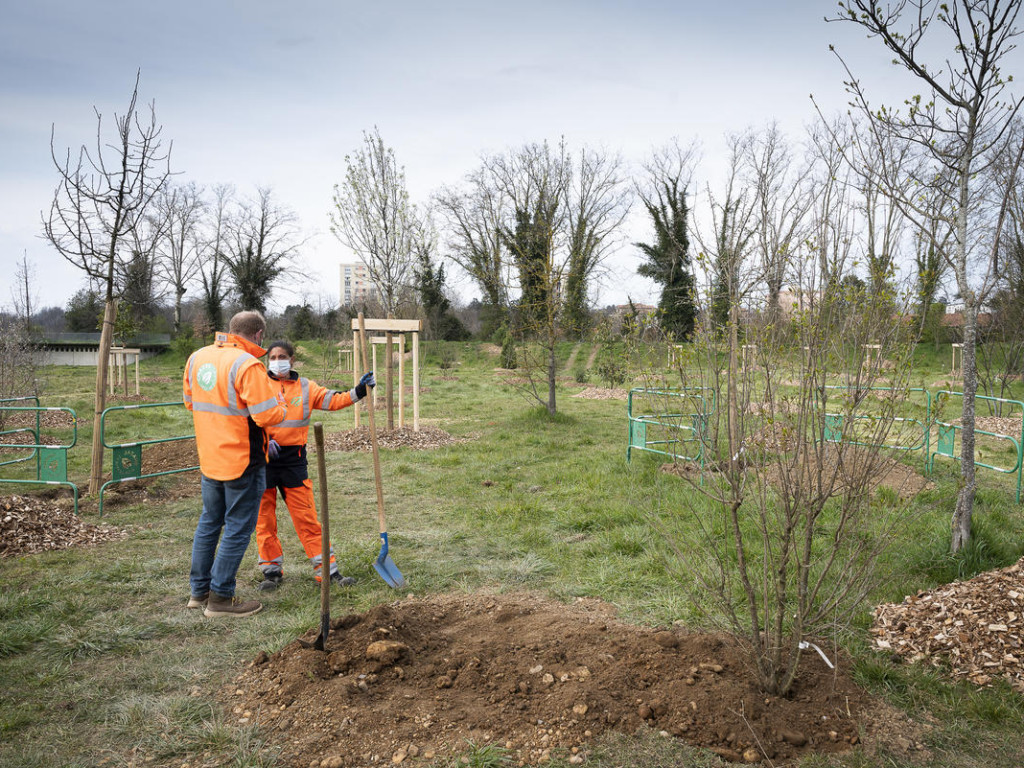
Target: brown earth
x,y
418,678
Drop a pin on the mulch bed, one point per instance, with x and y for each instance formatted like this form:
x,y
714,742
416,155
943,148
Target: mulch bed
x,y
400,437
31,524
600,393
973,628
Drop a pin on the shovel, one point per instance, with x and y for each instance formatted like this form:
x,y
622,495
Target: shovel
x,y
384,565
325,543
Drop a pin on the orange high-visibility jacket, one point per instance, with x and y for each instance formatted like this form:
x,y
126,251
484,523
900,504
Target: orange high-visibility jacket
x,y
302,396
231,398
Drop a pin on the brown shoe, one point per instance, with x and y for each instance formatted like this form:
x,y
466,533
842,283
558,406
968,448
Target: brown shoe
x,y
230,606
197,601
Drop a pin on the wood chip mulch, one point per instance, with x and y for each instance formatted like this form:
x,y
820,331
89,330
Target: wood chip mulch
x,y
974,628
29,525
599,393
400,437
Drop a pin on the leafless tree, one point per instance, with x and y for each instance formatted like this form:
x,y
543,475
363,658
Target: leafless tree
x,y
23,294
373,216
473,217
959,126
213,256
181,208
265,241
102,197
597,203
782,201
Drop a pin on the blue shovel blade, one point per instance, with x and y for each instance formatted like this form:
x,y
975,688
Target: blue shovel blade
x,y
386,567
389,572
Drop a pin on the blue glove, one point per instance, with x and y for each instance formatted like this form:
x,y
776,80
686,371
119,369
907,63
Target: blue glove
x,y
274,449
360,389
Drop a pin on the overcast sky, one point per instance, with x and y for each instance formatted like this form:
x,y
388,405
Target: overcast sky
x,y
275,94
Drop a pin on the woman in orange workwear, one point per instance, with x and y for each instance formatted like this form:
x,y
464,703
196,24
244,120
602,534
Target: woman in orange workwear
x,y
287,469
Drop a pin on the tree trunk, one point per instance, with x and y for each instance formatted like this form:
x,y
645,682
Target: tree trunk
x,y
390,380
102,365
552,407
961,522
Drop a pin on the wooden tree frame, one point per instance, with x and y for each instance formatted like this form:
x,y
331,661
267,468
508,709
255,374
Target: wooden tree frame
x,y
390,327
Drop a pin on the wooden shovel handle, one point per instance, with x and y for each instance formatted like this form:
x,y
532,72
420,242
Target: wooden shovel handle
x,y
325,536
373,427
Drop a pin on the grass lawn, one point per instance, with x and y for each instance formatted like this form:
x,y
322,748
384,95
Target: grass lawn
x,y
101,665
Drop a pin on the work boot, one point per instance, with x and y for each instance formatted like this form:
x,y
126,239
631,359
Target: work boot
x,y
197,601
271,581
218,606
342,581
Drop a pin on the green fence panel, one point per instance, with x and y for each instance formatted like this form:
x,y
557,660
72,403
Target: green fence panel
x,y
127,457
51,460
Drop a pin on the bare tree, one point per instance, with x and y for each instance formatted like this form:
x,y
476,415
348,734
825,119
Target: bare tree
x,y
23,293
181,208
598,201
213,256
959,126
102,197
474,216
264,243
782,201
373,216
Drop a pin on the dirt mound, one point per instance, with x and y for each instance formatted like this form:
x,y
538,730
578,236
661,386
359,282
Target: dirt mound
x,y
419,677
400,437
973,628
30,524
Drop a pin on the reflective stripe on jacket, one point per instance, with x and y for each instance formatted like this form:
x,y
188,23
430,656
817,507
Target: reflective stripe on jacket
x,y
231,399
302,396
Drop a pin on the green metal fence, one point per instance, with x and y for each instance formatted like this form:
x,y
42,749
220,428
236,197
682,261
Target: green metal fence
x,y
677,435
945,445
127,457
841,427
51,459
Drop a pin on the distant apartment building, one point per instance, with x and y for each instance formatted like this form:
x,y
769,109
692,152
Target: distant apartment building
x,y
355,284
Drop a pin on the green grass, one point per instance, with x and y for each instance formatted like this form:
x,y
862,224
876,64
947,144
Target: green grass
x,y
100,663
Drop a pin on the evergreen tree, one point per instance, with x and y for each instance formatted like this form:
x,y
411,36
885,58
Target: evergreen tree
x,y
441,323
667,261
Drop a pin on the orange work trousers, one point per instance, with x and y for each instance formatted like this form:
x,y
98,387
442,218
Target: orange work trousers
x,y
302,509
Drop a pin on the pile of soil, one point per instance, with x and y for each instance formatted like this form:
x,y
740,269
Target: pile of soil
x,y
416,679
400,437
30,524
973,628
599,393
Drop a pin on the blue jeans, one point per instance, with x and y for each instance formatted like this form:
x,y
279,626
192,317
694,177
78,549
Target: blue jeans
x,y
230,511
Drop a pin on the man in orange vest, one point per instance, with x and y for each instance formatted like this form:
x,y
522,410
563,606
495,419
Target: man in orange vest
x,y
231,399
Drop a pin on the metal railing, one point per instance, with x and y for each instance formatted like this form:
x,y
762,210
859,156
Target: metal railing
x,y
945,445
51,459
679,428
127,457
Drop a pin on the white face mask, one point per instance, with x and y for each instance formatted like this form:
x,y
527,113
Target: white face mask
x,y
280,367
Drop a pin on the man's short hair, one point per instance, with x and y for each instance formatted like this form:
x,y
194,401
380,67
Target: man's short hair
x,y
247,324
